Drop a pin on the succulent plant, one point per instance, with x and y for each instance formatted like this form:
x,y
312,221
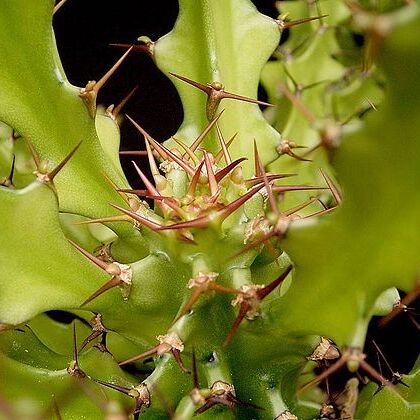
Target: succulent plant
x,y
246,272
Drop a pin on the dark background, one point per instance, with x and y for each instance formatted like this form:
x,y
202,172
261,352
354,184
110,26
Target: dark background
x,y
84,30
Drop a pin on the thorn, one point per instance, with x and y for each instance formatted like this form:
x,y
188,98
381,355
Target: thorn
x,y
139,393
98,329
284,25
282,189
286,148
220,153
250,300
273,202
115,187
215,93
143,221
224,149
139,193
265,291
133,152
194,181
33,153
199,222
196,383
101,264
51,175
90,92
202,283
234,205
210,175
168,343
310,117
197,142
227,169
109,219
117,110
257,166
74,368
334,190
163,151
150,187
113,282
260,179
58,6
187,150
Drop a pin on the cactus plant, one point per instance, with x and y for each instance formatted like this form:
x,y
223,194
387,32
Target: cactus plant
x,y
256,248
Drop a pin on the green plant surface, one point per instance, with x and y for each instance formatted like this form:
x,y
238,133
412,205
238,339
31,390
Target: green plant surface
x,y
194,282
331,256
39,103
218,47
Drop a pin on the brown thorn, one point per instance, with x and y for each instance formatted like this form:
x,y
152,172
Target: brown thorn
x,y
117,110
265,291
196,383
298,104
111,71
224,149
383,358
194,146
146,222
267,185
228,95
139,193
150,187
374,374
241,315
300,21
177,356
198,85
260,179
254,245
133,152
234,205
194,181
325,374
152,163
34,153
89,338
113,282
200,222
143,355
52,174
137,48
118,388
109,219
210,174
257,167
219,155
334,190
227,169
115,187
191,301
101,264
187,150
58,6
281,189
321,213
292,154
163,151
301,206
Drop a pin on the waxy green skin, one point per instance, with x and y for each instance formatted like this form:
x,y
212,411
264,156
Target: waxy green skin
x,y
337,285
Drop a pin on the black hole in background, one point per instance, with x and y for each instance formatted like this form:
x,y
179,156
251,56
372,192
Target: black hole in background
x,y
64,317
83,40
262,95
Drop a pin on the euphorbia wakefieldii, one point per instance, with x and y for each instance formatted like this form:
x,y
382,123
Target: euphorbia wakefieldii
x,y
262,243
